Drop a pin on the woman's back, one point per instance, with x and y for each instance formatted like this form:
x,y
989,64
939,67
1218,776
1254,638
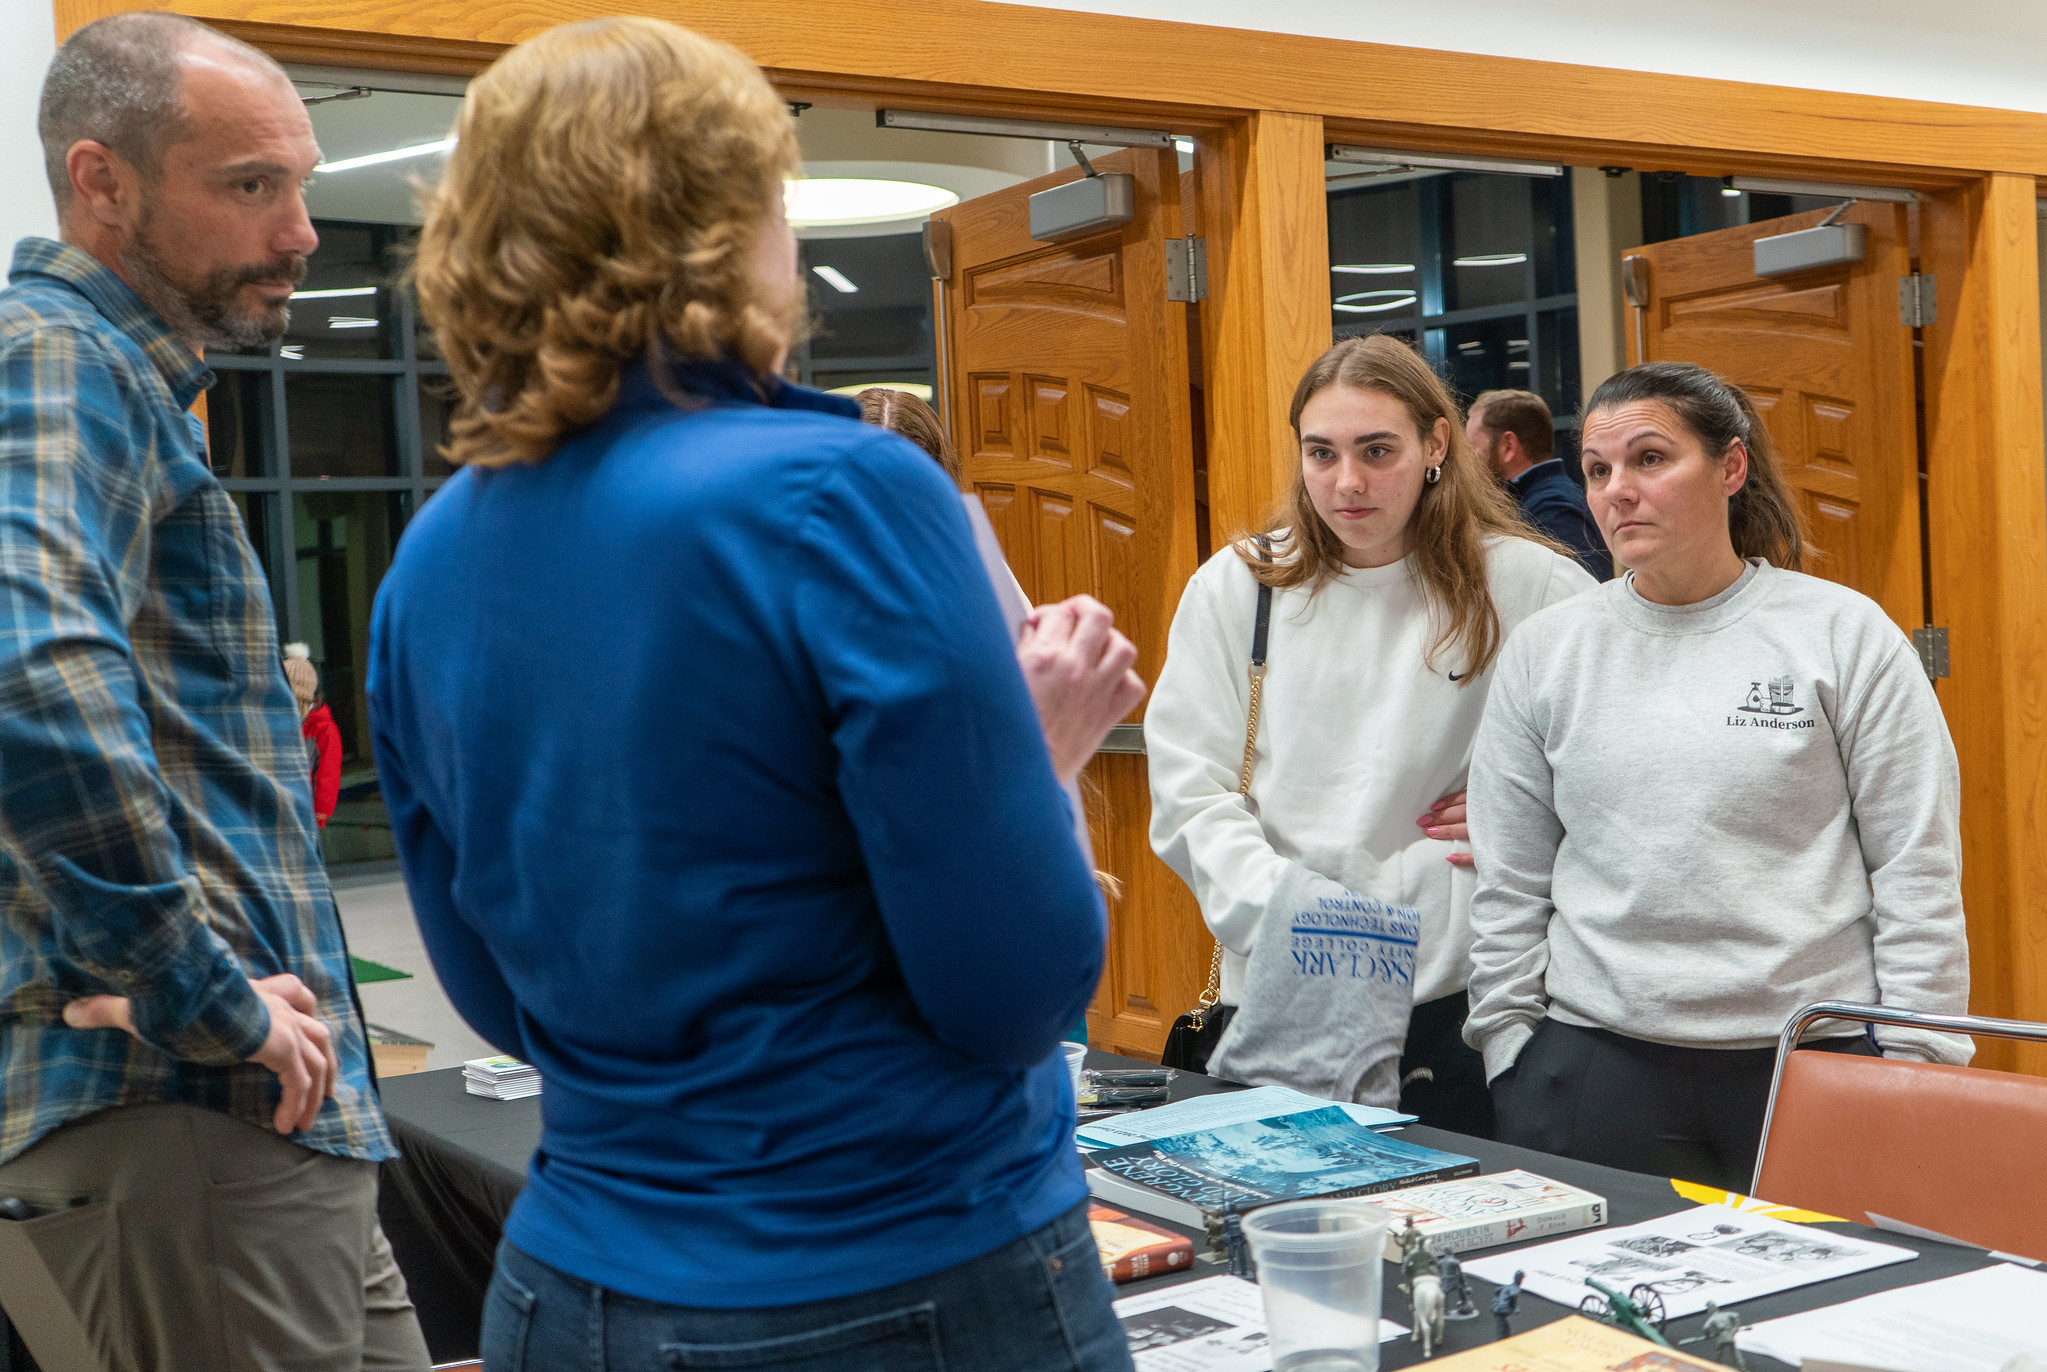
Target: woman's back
x,y
740,793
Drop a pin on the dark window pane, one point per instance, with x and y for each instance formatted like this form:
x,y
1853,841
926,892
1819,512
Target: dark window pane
x,y
888,311
1558,383
1487,356
239,426
345,307
1556,263
344,541
254,509
340,425
1374,257
1488,242
436,409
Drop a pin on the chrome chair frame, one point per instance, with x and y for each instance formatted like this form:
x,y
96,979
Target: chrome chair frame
x,y
1977,1025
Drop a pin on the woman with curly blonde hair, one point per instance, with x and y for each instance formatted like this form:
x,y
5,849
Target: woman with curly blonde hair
x,y
720,794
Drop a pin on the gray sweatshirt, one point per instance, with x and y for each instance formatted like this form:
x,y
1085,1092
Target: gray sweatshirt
x,y
1692,821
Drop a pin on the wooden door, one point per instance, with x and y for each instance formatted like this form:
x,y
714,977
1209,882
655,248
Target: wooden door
x,y
1066,377
1829,366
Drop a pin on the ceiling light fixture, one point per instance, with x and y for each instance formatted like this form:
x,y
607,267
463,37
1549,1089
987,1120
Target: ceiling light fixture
x,y
295,351
371,159
1491,259
334,294
826,201
837,279
1470,347
346,321
1382,301
1517,366
1374,268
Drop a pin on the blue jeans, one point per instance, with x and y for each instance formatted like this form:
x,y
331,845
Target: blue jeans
x,y
1039,1304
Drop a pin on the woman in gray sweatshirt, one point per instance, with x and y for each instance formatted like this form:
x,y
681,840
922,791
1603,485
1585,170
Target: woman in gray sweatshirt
x,y
1706,794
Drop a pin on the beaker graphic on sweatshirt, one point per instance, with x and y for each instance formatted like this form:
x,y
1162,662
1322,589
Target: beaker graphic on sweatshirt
x,y
1775,700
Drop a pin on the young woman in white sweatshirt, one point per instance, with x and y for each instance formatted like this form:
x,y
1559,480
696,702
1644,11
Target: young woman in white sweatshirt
x,y
1397,567
1706,795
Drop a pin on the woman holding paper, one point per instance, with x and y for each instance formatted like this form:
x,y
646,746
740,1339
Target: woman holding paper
x,y
1337,889
1711,793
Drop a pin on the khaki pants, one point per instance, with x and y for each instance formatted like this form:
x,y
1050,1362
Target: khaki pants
x,y
191,1242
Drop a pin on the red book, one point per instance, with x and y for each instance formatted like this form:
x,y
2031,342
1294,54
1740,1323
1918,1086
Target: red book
x,y
1132,1248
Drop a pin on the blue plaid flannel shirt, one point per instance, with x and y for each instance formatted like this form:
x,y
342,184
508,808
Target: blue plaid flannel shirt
x,y
156,816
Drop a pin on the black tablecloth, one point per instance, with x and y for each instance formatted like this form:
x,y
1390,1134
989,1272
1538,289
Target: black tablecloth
x,y
443,1204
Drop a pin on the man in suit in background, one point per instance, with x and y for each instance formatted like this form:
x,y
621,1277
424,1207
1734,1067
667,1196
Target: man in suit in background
x,y
1512,431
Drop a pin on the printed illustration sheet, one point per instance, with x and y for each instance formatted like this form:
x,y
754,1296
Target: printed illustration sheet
x,y
1713,1253
1214,1325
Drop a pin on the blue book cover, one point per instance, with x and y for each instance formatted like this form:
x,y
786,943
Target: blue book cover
x,y
1310,1155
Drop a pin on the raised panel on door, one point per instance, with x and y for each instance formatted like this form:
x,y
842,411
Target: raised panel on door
x,y
1070,403
1827,364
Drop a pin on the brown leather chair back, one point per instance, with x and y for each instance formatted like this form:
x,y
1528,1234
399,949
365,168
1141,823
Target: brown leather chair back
x,y
1958,1150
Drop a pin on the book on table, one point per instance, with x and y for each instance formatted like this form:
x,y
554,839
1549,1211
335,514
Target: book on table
x,y
1133,1249
1482,1212
1309,1155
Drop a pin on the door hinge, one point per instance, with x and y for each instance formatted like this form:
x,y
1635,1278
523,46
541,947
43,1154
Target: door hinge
x,y
1931,644
1917,307
1187,269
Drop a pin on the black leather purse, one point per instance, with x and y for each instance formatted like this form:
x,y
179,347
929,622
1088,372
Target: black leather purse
x,y
1195,1034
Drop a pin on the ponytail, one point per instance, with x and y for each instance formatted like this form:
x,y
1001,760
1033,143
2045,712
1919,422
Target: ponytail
x,y
1762,517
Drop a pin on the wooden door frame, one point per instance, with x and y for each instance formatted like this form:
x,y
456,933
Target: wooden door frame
x,y
1262,104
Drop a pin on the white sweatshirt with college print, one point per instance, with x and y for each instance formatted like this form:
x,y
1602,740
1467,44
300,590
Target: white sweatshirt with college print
x,y
1358,737
1692,821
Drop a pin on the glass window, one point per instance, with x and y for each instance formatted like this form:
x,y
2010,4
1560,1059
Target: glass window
x,y
436,409
1489,355
1487,229
1375,259
239,425
255,512
1558,381
887,310
345,307
343,542
341,424
1556,259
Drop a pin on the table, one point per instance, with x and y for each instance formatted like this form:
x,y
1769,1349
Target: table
x,y
444,1203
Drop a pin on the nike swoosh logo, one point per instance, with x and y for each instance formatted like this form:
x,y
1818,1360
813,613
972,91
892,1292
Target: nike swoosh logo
x,y
1456,676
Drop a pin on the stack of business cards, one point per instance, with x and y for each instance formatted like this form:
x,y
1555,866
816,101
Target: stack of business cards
x,y
500,1078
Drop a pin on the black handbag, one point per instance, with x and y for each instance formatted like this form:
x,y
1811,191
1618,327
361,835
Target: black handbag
x,y
1195,1034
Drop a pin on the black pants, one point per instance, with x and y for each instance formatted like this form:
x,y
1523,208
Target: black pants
x,y
1452,1092
1691,1113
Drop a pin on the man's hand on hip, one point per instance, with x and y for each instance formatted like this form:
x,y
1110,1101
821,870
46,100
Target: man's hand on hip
x,y
300,1049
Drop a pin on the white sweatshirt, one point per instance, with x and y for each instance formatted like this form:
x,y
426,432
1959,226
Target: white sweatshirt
x,y
1357,738
1692,821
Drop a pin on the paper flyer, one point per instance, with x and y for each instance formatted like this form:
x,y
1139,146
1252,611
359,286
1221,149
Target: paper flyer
x,y
1213,1325
1713,1253
1976,1322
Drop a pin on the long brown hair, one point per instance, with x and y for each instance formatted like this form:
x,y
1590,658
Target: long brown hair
x,y
1762,517
1447,532
610,183
903,413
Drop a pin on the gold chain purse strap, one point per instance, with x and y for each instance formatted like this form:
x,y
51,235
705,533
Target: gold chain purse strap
x,y
1212,995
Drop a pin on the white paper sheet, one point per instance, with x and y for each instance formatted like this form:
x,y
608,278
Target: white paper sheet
x,y
1214,1325
1975,1322
1713,1253
1217,1111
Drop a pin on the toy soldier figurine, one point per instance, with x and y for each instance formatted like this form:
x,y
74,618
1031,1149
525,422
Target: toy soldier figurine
x,y
1420,1258
1456,1292
1406,1239
1235,1244
1718,1334
1506,1304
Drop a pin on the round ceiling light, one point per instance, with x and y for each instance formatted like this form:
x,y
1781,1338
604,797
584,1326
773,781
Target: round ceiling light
x,y
829,201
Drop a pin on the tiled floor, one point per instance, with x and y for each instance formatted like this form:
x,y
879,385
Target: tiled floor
x,y
378,918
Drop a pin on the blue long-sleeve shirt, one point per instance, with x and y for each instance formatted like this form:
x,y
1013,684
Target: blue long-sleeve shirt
x,y
722,801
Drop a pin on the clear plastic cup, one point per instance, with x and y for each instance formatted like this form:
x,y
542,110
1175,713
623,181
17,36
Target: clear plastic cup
x,y
1076,1058
1319,1267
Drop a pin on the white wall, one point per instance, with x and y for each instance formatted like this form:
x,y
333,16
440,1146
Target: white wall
x,y
28,39
1972,52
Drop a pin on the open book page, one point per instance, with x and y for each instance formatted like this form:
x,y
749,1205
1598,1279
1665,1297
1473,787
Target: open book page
x,y
1682,1261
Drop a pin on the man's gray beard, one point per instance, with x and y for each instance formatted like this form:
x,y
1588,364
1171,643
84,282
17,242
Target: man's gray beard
x,y
209,317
